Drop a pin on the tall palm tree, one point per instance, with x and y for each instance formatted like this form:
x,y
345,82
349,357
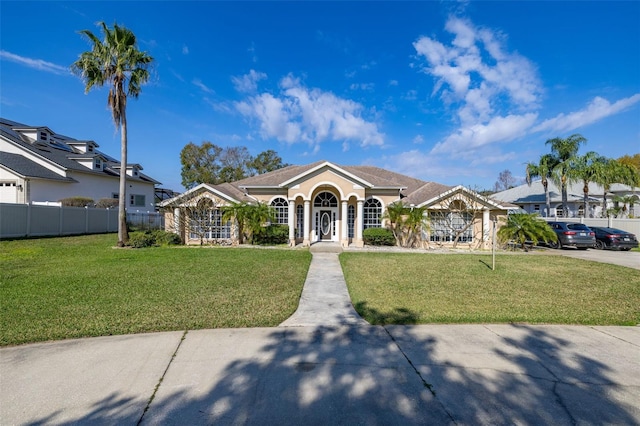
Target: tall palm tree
x,y
588,169
117,62
612,171
543,169
565,150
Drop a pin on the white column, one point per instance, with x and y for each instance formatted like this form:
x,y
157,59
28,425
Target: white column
x,y
290,221
307,222
345,229
359,223
485,226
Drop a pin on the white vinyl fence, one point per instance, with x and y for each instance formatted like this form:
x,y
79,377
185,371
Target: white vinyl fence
x,y
26,220
628,225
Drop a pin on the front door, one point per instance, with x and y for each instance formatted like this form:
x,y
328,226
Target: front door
x,y
325,225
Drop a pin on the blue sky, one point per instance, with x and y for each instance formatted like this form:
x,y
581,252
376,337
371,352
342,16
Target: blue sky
x,y
451,92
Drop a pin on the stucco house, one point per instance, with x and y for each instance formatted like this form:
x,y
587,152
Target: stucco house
x,y
324,201
532,199
38,165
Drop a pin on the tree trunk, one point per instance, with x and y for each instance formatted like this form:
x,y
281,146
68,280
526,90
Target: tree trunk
x,y
585,189
545,183
123,233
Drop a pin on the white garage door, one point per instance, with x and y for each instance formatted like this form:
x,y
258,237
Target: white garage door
x,y
8,192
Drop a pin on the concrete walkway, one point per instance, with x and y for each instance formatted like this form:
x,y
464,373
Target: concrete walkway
x,y
325,300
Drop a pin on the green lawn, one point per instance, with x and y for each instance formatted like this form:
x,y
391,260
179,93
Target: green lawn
x,y
57,288
461,288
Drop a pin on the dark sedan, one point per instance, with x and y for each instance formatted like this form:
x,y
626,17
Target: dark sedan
x,y
571,234
612,238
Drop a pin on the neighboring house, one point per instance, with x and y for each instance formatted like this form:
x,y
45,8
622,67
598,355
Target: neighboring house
x,y
40,166
323,201
532,199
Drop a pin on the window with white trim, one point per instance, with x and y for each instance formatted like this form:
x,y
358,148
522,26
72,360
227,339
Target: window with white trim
x,y
446,225
208,223
351,220
372,212
325,199
299,220
281,207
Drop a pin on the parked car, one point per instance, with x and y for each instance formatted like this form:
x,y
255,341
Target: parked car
x,y
612,238
573,235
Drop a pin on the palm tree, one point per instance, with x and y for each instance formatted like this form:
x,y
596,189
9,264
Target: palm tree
x,y
612,171
239,212
543,169
587,168
523,227
258,215
117,62
406,223
565,151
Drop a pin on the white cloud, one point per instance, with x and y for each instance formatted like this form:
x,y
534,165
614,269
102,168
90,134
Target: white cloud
x,y
500,129
248,83
197,82
38,64
302,114
476,74
362,86
393,82
185,49
597,109
419,139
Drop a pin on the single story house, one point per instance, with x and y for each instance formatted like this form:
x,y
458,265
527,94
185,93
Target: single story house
x,y
532,199
324,201
38,165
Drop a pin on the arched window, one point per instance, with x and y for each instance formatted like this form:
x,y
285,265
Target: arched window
x,y
281,207
325,199
372,213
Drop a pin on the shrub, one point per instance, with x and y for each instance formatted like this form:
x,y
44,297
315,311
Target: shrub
x,y
141,239
76,201
272,234
378,237
107,203
164,238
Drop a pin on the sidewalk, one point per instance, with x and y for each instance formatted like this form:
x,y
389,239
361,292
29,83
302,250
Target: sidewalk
x,y
430,374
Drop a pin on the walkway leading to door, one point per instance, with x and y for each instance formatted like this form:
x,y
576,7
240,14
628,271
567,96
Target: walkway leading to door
x,y
325,300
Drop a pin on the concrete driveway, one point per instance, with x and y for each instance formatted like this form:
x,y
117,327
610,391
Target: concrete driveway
x,y
629,259
368,375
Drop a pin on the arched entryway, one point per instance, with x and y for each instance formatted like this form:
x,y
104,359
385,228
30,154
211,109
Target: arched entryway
x,y
325,213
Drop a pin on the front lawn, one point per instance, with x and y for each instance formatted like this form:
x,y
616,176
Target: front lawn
x,y
413,288
57,288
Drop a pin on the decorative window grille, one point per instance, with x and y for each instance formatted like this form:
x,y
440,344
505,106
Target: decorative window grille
x,y
351,221
299,220
372,213
281,207
445,226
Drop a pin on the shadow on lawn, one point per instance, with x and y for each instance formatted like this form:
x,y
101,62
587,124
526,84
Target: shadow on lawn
x,y
402,316
383,375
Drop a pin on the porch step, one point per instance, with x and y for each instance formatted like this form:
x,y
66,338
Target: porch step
x,y
325,247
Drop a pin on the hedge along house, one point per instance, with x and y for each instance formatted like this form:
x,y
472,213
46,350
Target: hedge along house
x,y
326,202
